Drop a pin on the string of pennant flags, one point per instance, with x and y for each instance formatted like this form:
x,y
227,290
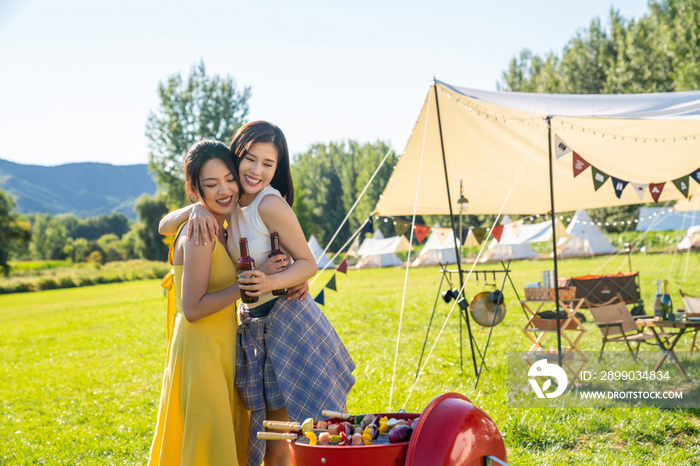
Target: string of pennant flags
x,y
479,234
331,285
421,232
600,177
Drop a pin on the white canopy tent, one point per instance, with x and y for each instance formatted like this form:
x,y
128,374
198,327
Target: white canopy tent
x,y
691,238
316,249
434,252
517,153
489,137
585,239
381,252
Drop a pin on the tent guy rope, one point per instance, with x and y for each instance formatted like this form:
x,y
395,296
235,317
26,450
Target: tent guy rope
x,y
408,262
471,270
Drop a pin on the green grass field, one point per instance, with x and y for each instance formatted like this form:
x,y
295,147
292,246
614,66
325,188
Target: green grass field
x,y
81,369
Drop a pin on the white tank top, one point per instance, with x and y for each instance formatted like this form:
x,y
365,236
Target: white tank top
x,y
246,223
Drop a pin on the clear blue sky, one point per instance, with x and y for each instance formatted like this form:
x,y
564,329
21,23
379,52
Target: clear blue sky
x,y
79,77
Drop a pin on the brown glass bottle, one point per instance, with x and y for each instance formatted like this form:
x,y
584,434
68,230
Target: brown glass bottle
x,y
275,251
245,263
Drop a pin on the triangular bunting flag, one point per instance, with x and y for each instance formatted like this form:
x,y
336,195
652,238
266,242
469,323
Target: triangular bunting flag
x,y
469,239
401,226
640,189
496,232
655,190
463,235
368,228
682,185
442,233
479,234
561,147
579,164
331,284
696,175
619,186
516,227
421,232
319,298
599,178
343,267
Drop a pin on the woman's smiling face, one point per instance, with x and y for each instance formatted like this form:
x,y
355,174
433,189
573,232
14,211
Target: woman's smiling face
x,y
256,169
219,187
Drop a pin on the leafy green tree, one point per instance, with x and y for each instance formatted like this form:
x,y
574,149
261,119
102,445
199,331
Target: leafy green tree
x,y
94,228
200,107
110,244
49,238
127,244
12,230
78,250
301,208
660,52
149,243
330,177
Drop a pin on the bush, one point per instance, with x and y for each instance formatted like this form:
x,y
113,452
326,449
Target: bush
x,y
66,275
47,283
95,257
66,281
16,286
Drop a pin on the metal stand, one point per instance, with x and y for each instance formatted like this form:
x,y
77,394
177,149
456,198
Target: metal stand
x,y
463,310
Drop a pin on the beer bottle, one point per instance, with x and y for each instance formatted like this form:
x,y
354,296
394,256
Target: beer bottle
x,y
275,251
245,263
657,302
666,304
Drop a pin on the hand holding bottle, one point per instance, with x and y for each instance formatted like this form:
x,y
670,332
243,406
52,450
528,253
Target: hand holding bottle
x,y
273,265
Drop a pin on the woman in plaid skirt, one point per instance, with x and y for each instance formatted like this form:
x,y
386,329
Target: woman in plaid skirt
x,y
290,362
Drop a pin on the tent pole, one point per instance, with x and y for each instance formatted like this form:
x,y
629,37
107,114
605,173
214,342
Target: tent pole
x,y
554,238
454,231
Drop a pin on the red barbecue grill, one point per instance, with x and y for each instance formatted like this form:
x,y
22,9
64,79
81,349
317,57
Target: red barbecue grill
x,y
451,432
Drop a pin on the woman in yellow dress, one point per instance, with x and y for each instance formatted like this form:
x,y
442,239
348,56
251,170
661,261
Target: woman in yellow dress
x,y
201,420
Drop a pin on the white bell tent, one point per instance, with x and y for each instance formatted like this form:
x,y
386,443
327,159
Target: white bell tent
x,y
691,238
316,249
381,252
585,239
514,246
434,252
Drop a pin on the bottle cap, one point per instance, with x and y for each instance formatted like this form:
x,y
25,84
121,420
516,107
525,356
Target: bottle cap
x,y
242,239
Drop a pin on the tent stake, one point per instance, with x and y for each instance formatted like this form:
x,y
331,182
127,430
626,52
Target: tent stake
x,y
464,314
554,238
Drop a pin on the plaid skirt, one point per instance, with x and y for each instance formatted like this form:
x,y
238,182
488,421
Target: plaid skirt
x,y
291,358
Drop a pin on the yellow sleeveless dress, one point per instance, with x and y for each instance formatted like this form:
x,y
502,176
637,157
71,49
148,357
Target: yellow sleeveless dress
x,y
201,419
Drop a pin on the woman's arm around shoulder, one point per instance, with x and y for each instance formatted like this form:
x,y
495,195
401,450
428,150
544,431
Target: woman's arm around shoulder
x,y
202,225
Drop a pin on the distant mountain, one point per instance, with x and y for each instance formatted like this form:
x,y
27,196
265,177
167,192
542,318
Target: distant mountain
x,y
84,189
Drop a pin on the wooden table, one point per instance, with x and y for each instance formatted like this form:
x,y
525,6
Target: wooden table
x,y
667,351
571,323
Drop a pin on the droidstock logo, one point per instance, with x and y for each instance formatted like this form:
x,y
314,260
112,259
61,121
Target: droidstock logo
x,y
543,369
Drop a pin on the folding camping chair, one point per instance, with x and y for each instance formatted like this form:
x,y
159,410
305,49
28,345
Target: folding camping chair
x,y
617,324
692,306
